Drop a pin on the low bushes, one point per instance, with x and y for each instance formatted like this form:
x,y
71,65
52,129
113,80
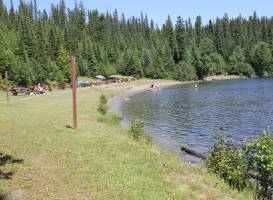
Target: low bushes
x,y
237,166
260,163
111,118
137,132
103,108
229,163
1,83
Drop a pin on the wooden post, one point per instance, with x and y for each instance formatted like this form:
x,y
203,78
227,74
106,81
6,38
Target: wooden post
x,y
74,91
7,85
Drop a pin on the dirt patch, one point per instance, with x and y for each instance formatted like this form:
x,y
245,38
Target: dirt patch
x,y
20,194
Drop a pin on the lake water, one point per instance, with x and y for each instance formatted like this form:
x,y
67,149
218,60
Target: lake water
x,y
182,115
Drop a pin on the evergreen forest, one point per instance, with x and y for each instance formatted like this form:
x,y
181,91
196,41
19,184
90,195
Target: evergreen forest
x,y
36,45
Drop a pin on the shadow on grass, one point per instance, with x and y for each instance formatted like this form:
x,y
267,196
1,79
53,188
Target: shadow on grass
x,y
2,197
8,159
69,127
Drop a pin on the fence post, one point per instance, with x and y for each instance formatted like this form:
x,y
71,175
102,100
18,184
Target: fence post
x,y
74,91
7,86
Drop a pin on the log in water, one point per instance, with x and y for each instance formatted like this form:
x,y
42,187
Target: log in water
x,y
194,153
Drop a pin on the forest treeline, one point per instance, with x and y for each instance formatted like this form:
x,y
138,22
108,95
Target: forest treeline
x,y
36,45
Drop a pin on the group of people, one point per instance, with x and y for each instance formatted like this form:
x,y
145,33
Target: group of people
x,y
38,89
154,87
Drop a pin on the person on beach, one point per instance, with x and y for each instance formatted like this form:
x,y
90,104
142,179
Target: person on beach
x,y
39,90
152,86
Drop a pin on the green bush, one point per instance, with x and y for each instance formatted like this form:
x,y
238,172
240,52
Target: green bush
x,y
235,166
217,158
103,108
185,72
138,133
260,159
1,83
228,163
267,74
244,69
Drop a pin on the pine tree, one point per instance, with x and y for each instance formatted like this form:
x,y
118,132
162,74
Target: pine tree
x,y
169,34
185,71
132,65
219,37
12,16
63,57
198,29
181,39
261,57
62,14
238,56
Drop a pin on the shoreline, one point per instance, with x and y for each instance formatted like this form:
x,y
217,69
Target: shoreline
x,y
114,103
223,77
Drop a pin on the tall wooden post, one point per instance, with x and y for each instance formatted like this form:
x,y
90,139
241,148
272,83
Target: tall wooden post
x,y
74,91
7,85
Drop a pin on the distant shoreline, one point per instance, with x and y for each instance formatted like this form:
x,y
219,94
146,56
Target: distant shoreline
x,y
223,77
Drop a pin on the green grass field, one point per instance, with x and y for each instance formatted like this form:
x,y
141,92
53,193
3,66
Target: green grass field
x,y
96,161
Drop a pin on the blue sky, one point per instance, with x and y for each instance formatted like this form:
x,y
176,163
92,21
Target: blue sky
x,y
158,10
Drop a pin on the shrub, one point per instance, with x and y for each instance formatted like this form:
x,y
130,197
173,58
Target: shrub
x,y
103,108
217,158
228,163
235,165
237,168
1,83
185,72
260,158
138,133
243,69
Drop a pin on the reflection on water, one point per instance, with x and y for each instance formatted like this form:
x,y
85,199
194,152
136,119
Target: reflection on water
x,y
184,115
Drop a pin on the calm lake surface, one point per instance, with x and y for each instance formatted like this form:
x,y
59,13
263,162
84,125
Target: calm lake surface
x,y
183,115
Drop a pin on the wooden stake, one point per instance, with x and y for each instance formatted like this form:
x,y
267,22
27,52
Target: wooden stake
x,y
7,85
74,91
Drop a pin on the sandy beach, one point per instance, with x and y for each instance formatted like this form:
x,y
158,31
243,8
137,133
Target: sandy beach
x,y
222,77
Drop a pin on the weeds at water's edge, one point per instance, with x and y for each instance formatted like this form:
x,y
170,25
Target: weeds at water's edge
x,y
103,107
137,132
104,117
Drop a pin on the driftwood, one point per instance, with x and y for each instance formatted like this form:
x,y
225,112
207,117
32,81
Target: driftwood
x,y
194,153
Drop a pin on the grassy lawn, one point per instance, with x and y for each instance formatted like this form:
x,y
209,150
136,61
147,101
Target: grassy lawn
x,y
96,161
